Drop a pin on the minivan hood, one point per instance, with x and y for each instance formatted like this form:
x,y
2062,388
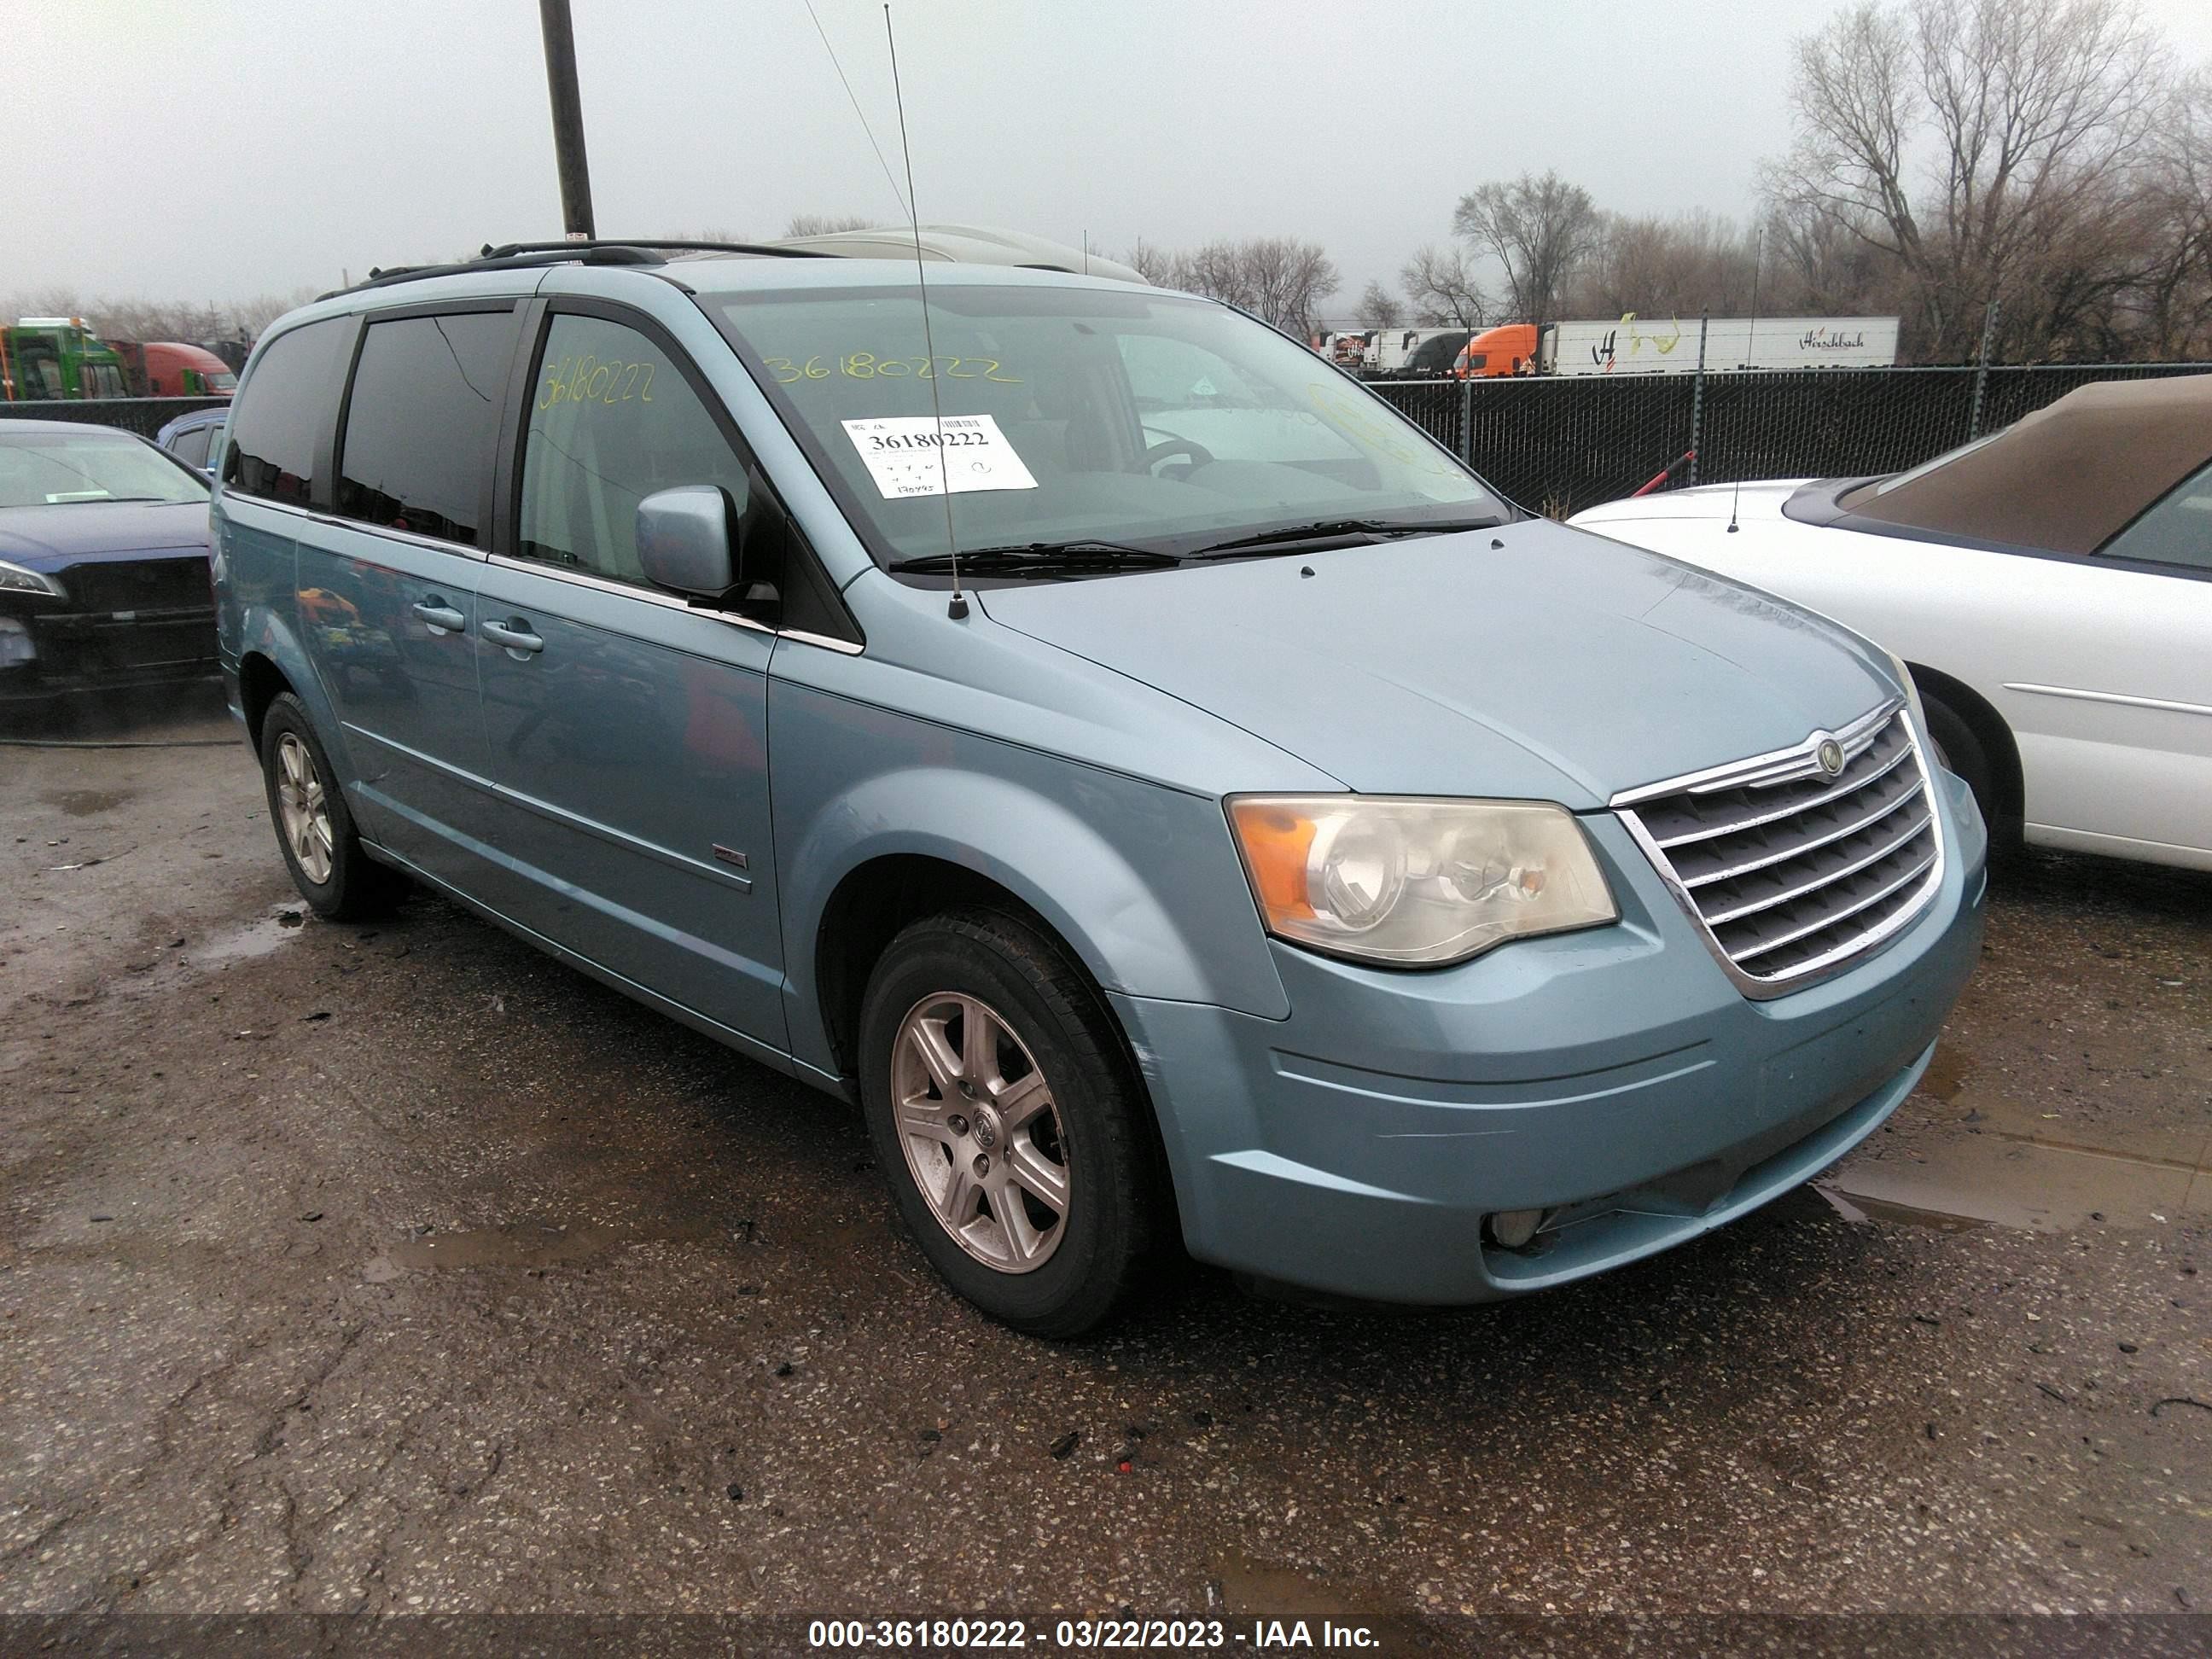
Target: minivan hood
x,y
1533,661
45,538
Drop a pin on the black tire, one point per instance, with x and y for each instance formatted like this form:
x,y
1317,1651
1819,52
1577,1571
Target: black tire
x,y
356,887
1959,749
1050,1014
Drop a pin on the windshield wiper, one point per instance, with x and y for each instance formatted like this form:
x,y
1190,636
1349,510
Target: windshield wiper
x,y
1042,556
1291,535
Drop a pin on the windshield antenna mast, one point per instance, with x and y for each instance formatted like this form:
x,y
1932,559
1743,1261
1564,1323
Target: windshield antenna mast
x,y
957,608
1750,345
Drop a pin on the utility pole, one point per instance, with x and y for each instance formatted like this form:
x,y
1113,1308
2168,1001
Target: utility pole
x,y
1982,373
568,119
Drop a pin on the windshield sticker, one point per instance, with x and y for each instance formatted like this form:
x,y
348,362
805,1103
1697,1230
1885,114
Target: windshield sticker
x,y
903,455
866,366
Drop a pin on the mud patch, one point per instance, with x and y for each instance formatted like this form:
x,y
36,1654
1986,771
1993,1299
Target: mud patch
x,y
85,803
528,1244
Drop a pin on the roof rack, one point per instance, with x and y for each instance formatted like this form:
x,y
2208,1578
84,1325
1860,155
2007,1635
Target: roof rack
x,y
513,256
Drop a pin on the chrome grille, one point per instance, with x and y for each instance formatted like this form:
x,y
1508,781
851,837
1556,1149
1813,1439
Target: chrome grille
x,y
1791,870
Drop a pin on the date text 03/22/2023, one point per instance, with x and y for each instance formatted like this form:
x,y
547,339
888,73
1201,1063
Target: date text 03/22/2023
x,y
1086,1635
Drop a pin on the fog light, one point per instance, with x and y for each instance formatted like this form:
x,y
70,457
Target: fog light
x,y
15,647
1511,1228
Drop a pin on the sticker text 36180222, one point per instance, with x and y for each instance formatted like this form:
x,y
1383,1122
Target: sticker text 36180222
x,y
866,366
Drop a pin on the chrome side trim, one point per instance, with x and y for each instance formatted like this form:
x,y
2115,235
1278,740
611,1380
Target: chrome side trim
x,y
2121,697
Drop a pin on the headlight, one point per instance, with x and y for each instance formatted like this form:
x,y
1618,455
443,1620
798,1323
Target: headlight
x,y
14,579
1416,883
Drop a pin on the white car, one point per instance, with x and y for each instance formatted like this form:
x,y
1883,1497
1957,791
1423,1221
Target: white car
x,y
2051,587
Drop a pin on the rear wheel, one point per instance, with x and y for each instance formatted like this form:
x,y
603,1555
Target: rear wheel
x,y
329,865
1007,1121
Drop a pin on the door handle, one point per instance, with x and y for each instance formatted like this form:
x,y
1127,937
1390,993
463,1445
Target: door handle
x,y
514,634
441,617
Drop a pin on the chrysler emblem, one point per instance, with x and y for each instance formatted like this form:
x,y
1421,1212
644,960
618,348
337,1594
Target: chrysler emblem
x,y
1830,753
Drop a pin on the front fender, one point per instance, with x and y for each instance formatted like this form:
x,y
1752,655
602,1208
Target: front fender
x,y
1141,882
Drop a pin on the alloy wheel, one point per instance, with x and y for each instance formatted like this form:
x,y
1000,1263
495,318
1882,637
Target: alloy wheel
x,y
303,809
980,1131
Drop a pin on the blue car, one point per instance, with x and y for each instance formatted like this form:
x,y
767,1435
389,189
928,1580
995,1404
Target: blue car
x,y
196,439
1174,799
104,580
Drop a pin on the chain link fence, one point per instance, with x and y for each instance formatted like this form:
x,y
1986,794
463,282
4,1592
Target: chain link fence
x,y
1557,444
143,415
1560,443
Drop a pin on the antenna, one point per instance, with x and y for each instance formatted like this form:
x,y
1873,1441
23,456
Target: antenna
x,y
1750,344
957,607
855,100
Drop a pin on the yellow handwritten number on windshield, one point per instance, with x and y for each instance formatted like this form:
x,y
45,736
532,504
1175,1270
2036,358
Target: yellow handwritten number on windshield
x,y
866,366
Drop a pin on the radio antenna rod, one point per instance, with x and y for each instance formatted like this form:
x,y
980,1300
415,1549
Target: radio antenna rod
x,y
957,607
1750,344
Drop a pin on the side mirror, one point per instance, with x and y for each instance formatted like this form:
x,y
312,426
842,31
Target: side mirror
x,y
686,541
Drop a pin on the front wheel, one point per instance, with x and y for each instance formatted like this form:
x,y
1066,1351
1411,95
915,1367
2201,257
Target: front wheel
x,y
1006,1121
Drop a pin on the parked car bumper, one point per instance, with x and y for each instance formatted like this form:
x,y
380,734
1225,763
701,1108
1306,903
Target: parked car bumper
x,y
1613,1079
59,652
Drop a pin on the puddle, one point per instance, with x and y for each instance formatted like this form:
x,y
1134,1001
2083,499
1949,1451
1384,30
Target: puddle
x,y
83,802
528,1244
256,939
1947,1073
1875,1209
2010,1180
1253,1586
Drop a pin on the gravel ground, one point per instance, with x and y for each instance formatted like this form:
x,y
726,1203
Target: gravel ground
x,y
397,1268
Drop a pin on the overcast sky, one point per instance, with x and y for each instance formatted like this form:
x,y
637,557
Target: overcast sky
x,y
228,148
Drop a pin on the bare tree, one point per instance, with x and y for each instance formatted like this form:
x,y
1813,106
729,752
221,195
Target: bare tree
x,y
1279,279
2033,115
2176,292
1539,229
825,224
1379,307
1441,284
1660,267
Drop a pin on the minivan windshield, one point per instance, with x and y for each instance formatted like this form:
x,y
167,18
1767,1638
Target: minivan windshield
x,y
42,469
1127,425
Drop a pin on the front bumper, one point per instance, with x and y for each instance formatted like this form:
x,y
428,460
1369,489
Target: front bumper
x,y
53,649
1614,1079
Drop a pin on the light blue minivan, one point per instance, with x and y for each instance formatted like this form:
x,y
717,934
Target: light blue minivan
x,y
1268,836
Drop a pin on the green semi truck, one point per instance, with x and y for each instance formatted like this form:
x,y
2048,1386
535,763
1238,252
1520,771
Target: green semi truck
x,y
48,359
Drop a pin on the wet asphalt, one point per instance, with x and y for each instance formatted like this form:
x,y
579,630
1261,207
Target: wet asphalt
x,y
397,1268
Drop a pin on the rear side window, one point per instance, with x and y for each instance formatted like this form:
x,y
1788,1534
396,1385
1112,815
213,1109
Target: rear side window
x,y
191,447
276,422
2177,530
612,421
422,424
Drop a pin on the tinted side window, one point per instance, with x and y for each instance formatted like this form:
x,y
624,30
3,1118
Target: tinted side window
x,y
275,422
612,421
2177,530
422,423
191,447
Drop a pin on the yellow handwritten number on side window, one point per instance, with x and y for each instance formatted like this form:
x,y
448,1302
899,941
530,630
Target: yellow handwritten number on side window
x,y
590,380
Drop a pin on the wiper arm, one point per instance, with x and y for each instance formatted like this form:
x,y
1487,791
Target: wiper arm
x,y
1342,529
1041,557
